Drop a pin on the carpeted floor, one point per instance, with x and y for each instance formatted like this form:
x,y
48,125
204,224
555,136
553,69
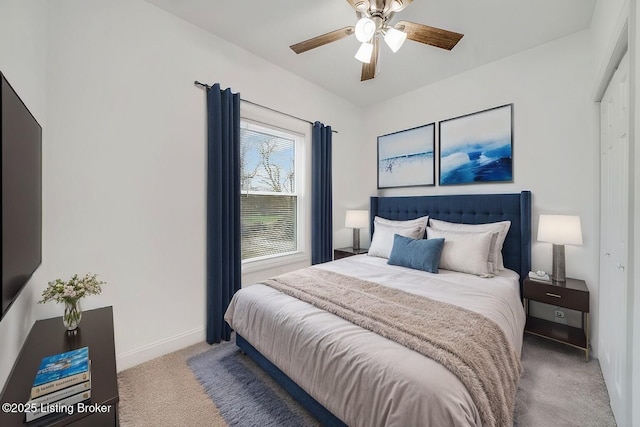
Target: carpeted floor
x,y
558,388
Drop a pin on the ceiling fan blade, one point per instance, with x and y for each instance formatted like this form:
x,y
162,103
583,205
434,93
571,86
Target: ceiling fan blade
x,y
429,35
322,40
369,70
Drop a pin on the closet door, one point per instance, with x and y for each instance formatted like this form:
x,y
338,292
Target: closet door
x,y
614,211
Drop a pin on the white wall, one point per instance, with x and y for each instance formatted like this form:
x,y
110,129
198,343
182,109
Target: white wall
x,y
23,46
635,255
555,138
126,159
606,15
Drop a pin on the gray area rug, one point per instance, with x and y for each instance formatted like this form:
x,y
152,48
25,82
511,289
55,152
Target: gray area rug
x,y
242,392
557,388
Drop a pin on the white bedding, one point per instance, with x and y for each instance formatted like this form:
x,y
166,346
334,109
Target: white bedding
x,y
361,377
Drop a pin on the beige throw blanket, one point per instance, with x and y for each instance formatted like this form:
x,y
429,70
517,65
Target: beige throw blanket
x,y
471,346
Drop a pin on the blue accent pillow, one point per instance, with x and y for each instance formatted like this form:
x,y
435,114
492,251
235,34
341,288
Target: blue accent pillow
x,y
419,254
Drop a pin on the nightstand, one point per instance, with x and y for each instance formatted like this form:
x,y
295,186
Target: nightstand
x,y
345,252
49,337
573,295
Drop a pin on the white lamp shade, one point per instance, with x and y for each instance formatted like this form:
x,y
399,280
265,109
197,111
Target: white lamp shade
x,y
394,39
365,29
560,229
357,219
364,53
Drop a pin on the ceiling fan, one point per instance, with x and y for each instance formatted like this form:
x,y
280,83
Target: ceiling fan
x,y
374,18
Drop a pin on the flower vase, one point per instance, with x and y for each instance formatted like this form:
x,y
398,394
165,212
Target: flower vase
x,y
72,314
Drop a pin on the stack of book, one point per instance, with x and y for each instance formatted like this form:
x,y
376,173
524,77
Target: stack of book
x,y
62,381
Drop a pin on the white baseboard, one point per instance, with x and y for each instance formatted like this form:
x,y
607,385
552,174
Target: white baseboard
x,y
140,355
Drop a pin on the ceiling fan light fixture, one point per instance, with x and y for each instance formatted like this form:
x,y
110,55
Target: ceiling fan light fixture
x,y
396,5
361,6
394,39
364,52
365,29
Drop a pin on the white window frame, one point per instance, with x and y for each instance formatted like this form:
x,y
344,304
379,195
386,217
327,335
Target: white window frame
x,y
254,118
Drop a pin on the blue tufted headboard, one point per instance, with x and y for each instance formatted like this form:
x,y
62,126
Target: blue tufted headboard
x,y
470,209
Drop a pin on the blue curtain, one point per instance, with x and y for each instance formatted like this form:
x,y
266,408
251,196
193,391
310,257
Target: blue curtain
x,y
321,195
223,208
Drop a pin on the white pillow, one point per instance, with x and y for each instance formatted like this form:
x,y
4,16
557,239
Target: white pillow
x,y
382,241
464,252
422,222
502,228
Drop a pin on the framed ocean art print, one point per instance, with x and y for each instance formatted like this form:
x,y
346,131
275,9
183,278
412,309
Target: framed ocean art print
x,y
477,147
406,158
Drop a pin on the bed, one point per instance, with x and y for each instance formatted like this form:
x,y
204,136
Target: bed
x,y
346,374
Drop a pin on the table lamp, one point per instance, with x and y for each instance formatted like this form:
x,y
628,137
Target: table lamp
x,y
356,219
560,230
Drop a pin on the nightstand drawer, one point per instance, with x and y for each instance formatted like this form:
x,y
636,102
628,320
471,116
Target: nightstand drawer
x,y
557,295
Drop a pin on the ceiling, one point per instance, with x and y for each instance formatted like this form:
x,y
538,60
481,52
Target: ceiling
x,y
492,29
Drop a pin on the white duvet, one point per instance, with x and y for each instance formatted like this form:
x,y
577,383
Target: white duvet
x,y
361,377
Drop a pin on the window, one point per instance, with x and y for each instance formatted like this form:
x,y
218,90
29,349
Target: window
x,y
270,201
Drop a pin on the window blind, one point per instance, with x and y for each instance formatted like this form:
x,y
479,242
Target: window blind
x,y
268,201
268,225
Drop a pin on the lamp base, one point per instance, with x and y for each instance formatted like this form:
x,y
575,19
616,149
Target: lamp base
x,y
558,269
356,238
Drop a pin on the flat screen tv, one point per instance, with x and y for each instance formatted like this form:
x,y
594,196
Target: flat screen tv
x,y
21,138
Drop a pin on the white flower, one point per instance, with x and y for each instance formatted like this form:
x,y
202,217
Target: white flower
x,y
72,290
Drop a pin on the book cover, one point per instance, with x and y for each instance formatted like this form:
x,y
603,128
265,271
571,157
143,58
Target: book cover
x,y
61,406
61,394
62,365
61,383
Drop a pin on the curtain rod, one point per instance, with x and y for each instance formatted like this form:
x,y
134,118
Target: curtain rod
x,y
197,83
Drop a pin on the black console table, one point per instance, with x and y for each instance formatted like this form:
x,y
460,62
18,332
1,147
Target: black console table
x,y
49,337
